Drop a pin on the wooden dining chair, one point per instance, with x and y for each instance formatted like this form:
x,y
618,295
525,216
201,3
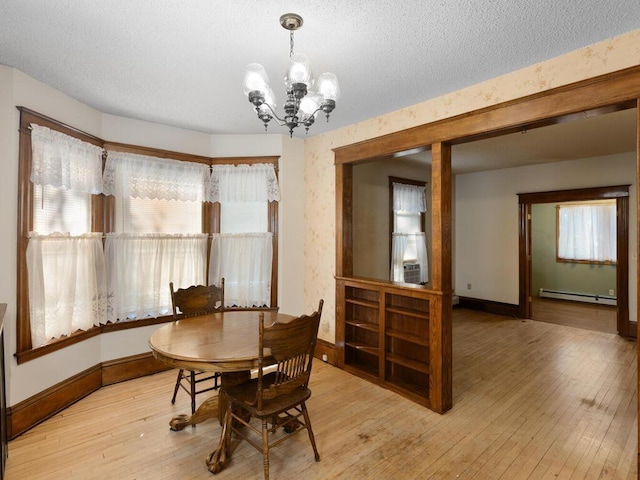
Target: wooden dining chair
x,y
192,301
277,398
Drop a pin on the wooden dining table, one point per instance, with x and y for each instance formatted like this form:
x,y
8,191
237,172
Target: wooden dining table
x,y
225,342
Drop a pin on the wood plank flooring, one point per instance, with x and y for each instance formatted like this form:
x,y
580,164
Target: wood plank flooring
x,y
532,400
601,318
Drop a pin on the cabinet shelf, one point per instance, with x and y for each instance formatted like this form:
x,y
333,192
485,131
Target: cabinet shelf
x,y
362,347
409,337
409,312
372,327
414,389
421,367
361,302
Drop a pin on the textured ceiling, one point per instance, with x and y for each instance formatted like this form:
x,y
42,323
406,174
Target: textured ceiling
x,y
181,62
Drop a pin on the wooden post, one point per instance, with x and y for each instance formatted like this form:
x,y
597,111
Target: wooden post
x,y
440,339
638,259
344,220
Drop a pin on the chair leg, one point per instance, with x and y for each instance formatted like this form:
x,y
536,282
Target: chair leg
x,y
307,421
175,390
192,377
265,448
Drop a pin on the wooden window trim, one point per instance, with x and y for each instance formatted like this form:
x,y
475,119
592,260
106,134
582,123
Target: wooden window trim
x,y
103,221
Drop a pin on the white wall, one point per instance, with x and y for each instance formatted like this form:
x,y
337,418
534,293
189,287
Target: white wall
x,y
291,227
486,223
26,380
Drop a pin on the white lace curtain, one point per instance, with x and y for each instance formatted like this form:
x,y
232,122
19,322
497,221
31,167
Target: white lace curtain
x,y
140,267
399,244
67,277
587,232
66,162
409,198
67,284
243,184
142,176
244,261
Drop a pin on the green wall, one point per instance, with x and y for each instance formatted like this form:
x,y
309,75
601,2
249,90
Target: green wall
x,y
568,277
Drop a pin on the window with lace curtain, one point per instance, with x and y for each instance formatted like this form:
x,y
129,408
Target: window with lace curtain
x,y
586,232
99,247
242,252
409,261
157,235
66,269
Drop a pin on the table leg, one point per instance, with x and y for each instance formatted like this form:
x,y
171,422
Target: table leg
x,y
220,457
207,409
212,407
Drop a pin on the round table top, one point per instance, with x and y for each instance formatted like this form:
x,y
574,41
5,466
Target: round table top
x,y
223,342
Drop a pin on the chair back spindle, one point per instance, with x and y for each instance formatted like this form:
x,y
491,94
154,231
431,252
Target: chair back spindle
x,y
291,345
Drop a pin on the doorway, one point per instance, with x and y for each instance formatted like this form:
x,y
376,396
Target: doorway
x,y
621,195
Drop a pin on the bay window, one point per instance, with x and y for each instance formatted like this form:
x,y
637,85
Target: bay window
x,y
103,228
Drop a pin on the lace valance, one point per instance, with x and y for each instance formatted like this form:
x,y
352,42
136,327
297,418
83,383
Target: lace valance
x,y
409,198
141,176
66,162
243,183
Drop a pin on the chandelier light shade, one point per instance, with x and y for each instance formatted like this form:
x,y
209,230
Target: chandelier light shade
x,y
305,99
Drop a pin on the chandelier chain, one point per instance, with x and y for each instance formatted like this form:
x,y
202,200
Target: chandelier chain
x,y
291,44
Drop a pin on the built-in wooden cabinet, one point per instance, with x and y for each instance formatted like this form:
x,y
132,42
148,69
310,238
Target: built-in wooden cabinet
x,y
406,321
383,332
362,330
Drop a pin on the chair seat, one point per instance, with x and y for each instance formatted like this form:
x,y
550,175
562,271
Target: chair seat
x,y
245,393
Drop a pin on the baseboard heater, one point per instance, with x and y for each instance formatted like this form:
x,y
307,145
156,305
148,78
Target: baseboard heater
x,y
578,297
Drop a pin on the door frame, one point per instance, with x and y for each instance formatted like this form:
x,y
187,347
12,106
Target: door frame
x,y
621,194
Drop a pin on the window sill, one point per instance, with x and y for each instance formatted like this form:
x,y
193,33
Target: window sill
x,y
60,343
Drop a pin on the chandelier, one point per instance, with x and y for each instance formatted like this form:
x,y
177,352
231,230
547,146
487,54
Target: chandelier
x,y
305,99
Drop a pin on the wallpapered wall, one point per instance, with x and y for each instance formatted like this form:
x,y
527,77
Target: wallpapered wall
x,y
604,57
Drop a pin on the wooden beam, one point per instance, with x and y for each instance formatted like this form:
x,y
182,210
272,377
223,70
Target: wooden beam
x,y
584,98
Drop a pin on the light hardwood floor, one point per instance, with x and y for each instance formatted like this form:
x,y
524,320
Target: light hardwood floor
x,y
601,318
532,400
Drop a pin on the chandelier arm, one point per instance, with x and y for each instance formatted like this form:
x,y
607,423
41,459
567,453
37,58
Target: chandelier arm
x,y
274,115
282,122
321,108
